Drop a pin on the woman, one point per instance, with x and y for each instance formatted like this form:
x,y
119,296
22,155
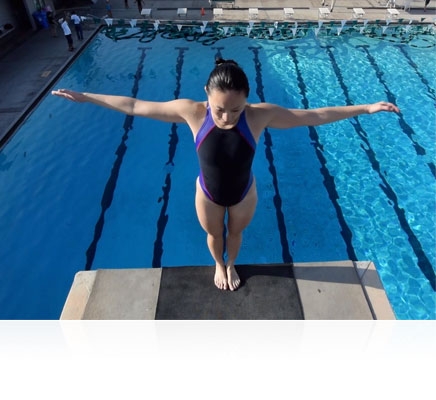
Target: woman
x,y
226,130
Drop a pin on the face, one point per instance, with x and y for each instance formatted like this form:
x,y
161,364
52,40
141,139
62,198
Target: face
x,y
226,107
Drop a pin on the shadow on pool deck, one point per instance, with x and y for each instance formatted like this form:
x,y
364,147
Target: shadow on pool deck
x,y
343,290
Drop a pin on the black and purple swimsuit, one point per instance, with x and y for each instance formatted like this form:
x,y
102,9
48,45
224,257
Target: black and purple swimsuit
x,y
226,157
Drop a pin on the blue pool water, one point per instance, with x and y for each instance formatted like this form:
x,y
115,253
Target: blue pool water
x,y
83,187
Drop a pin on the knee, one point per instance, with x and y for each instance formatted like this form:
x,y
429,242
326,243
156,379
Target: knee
x,y
234,232
216,234
236,228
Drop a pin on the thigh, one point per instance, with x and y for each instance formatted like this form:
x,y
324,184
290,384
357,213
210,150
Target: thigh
x,y
210,215
241,214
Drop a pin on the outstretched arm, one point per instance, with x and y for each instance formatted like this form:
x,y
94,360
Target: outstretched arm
x,y
282,118
169,111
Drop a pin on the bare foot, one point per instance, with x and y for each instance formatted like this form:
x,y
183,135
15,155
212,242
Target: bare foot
x,y
220,278
232,277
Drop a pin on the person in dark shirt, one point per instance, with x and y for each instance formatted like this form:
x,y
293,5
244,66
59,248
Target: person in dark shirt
x,y
109,9
139,3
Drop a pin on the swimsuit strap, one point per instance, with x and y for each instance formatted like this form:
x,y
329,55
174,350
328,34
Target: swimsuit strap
x,y
209,124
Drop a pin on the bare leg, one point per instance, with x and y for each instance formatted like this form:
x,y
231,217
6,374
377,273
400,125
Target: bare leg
x,y
211,217
240,215
215,244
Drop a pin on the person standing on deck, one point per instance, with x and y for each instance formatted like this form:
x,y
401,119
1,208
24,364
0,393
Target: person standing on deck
x,y
139,3
109,9
67,33
52,23
77,25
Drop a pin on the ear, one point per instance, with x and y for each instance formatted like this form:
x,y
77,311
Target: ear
x,y
205,89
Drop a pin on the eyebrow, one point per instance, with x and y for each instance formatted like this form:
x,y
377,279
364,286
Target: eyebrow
x,y
232,109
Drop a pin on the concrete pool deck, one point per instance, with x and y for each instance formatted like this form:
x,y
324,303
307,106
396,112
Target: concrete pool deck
x,y
268,10
335,290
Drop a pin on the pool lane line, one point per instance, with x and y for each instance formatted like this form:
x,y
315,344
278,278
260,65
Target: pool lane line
x,y
423,261
277,199
218,53
162,221
406,128
108,193
431,92
329,180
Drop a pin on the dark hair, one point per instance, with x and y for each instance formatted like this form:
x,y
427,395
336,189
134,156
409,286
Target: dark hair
x,y
227,75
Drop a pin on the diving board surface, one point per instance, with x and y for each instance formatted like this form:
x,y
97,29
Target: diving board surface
x,y
266,292
321,290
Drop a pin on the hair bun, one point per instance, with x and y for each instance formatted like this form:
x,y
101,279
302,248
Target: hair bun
x,y
220,61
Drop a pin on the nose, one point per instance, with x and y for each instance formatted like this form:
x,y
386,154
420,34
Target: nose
x,y
225,117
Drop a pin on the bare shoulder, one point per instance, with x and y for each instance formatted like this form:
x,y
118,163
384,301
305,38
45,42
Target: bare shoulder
x,y
193,113
261,110
259,115
191,108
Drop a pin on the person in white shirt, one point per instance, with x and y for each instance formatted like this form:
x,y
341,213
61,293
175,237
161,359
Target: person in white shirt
x,y
67,33
78,25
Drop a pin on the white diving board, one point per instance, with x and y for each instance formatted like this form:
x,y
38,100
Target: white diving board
x,y
392,13
253,12
146,12
217,12
181,12
288,11
358,12
323,12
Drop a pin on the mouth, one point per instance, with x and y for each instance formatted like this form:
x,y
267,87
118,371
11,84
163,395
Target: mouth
x,y
224,124
229,124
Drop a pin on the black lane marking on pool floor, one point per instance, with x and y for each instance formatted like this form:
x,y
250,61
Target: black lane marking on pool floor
x,y
277,199
423,262
329,180
166,188
407,129
108,193
425,82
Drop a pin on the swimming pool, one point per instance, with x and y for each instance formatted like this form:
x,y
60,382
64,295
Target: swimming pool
x,y
87,188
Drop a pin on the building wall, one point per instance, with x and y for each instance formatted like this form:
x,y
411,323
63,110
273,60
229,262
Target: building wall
x,y
6,14
19,12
